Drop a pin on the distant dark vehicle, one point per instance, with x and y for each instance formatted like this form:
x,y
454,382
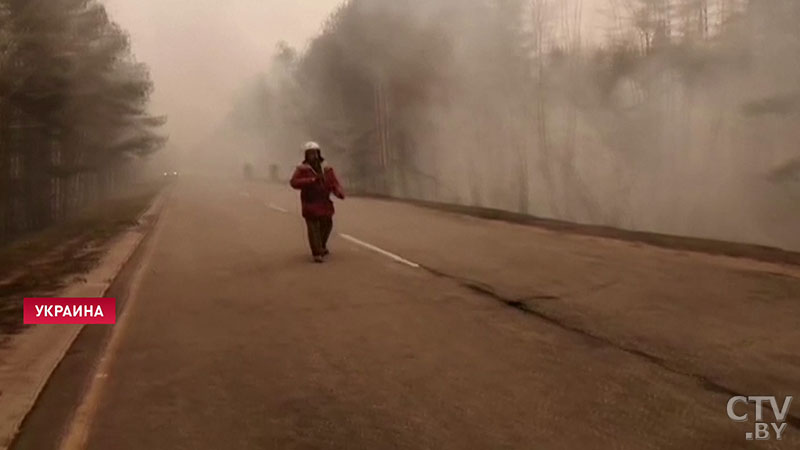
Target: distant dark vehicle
x,y
173,174
789,172
248,171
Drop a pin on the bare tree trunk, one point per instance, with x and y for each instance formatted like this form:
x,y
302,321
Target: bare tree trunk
x,y
5,175
703,18
479,135
381,132
539,21
524,183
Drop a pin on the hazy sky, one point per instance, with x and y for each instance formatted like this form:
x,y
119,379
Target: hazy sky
x,y
201,51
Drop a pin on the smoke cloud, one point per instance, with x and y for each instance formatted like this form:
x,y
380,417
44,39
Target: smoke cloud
x,y
675,116
200,52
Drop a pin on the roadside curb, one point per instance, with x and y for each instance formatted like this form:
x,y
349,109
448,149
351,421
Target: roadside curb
x,y
31,358
699,245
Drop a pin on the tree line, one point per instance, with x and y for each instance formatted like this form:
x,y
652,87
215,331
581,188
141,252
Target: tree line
x,y
73,111
675,120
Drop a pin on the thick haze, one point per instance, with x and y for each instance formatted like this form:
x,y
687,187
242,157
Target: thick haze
x,y
201,51
668,116
682,121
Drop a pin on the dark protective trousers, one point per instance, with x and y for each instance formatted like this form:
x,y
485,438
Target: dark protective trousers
x,y
319,231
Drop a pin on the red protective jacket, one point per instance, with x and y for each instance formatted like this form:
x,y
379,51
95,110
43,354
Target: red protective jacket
x,y
316,190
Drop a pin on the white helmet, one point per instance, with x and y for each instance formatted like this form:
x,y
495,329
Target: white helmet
x,y
311,146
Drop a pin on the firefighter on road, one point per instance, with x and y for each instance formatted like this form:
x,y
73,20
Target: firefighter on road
x,y
316,183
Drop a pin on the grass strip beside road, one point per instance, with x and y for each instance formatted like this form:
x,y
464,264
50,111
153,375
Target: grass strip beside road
x,y
42,263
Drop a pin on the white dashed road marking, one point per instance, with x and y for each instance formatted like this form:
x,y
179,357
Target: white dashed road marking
x,y
380,250
277,208
356,241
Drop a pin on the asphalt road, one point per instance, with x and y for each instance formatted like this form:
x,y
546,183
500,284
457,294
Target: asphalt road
x,y
505,336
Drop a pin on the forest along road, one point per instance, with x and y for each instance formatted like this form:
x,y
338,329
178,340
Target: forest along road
x,y
428,329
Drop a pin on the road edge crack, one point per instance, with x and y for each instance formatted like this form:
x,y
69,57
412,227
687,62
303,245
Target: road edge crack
x,y
486,290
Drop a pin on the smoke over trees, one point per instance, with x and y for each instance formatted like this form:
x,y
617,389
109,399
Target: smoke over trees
x,y
684,119
73,110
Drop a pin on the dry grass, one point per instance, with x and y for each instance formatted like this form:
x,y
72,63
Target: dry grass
x,y
41,263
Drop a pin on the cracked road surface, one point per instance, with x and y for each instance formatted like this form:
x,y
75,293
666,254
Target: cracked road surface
x,y
482,335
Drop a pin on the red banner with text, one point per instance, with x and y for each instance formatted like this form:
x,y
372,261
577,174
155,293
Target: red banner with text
x,y
70,311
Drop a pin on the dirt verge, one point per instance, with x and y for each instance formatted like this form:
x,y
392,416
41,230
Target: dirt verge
x,y
41,263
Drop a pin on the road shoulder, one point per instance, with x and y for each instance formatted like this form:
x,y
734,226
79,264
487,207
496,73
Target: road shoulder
x,y
29,359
